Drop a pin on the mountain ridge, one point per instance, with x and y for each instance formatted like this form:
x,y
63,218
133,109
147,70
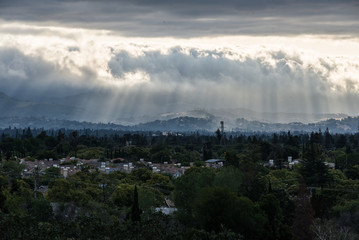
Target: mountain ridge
x,y
236,119
186,124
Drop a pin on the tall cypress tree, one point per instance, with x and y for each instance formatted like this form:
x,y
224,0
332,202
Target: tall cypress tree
x,y
313,170
135,211
328,139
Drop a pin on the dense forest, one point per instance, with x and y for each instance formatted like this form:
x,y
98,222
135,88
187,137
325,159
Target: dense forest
x,y
271,186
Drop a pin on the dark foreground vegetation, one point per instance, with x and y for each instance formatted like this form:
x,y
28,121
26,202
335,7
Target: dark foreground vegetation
x,y
313,197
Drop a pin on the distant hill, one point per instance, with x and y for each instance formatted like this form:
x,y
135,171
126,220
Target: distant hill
x,y
87,111
10,107
346,125
49,123
186,124
180,124
272,117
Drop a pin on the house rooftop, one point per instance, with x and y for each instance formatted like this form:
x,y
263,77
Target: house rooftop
x,y
214,160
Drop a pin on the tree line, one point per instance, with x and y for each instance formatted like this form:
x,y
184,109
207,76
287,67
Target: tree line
x,y
245,199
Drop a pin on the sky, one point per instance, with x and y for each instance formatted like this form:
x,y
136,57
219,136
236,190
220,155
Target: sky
x,y
153,56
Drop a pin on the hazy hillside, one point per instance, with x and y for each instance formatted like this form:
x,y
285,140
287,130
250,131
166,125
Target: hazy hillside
x,y
10,107
86,111
185,124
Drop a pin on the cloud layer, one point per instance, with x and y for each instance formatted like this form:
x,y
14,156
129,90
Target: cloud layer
x,y
266,81
150,56
139,78
32,77
192,18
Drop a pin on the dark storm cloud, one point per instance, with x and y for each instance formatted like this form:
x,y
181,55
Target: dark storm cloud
x,y
30,77
193,18
186,78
